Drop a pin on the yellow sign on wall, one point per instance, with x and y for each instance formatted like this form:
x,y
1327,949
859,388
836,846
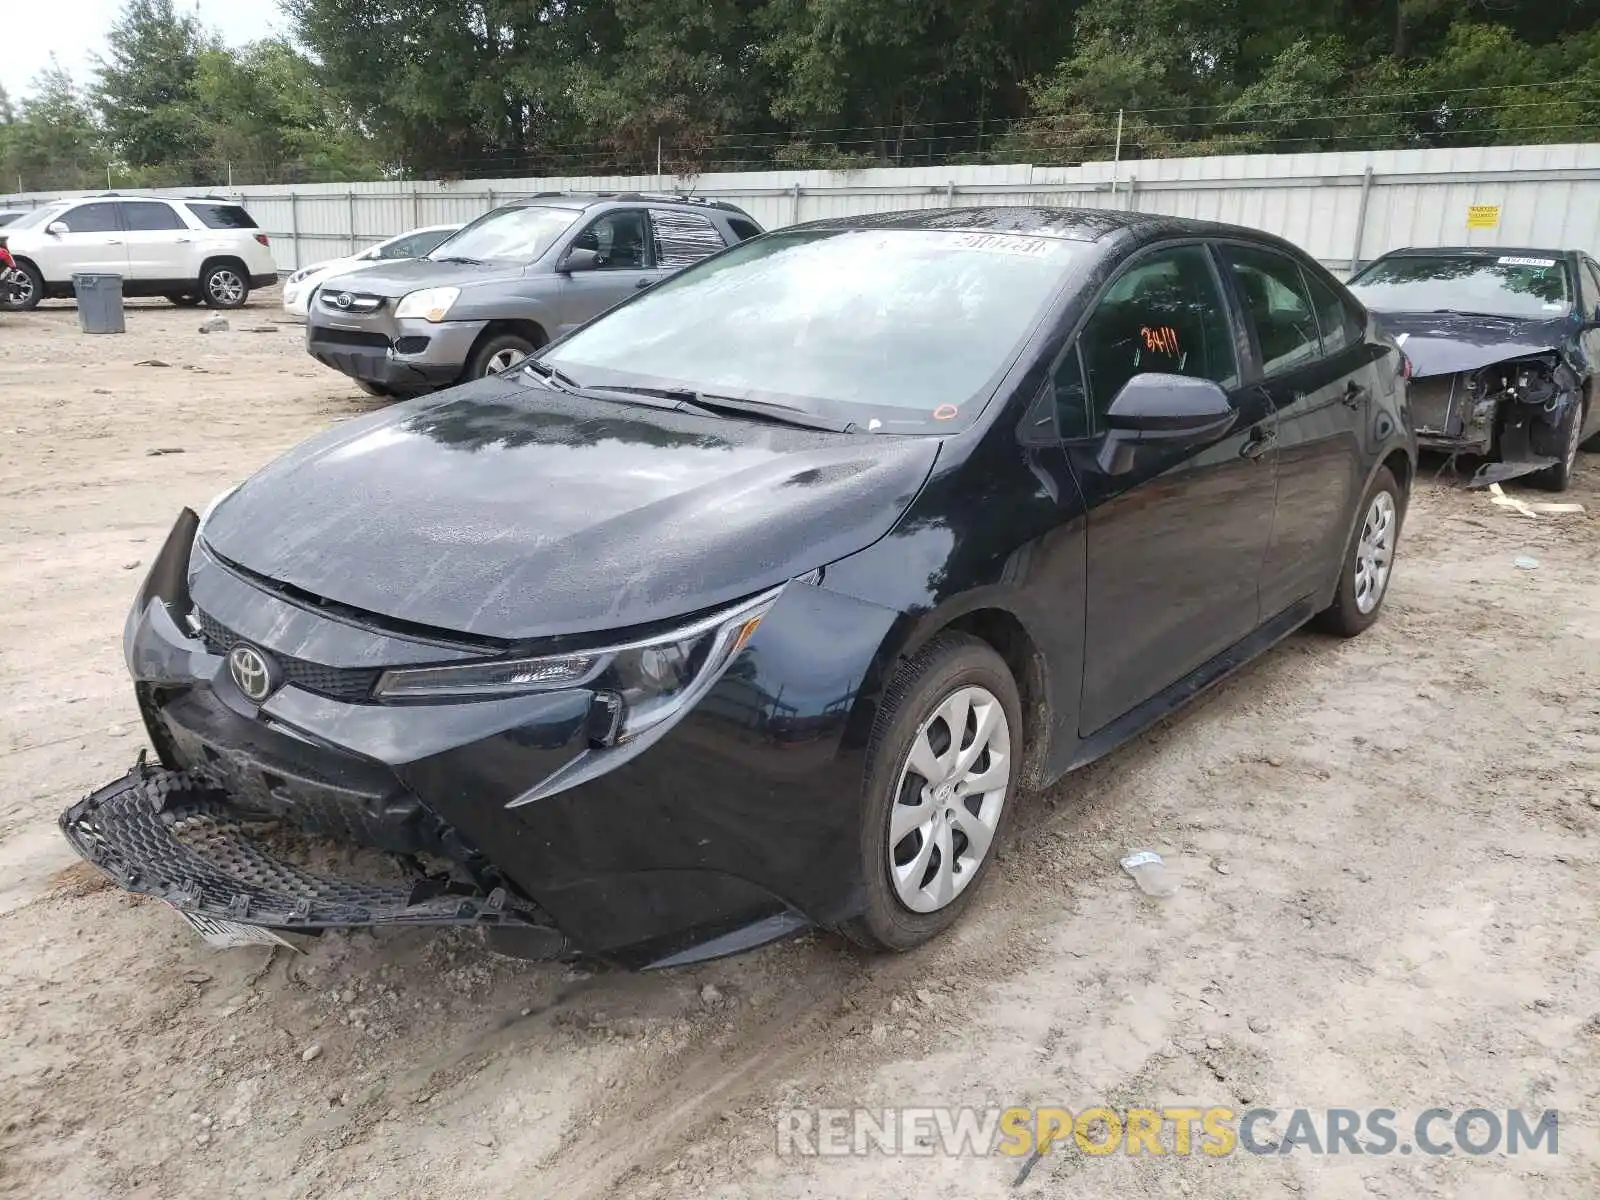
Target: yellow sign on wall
x,y
1483,216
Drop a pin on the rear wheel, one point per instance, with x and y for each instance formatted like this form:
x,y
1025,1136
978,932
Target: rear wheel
x,y
27,288
942,771
1364,580
223,285
497,354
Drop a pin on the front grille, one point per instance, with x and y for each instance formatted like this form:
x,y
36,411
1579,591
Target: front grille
x,y
356,304
361,338
337,683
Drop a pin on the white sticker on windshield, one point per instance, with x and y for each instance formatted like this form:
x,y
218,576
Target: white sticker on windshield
x,y
1007,243
1513,261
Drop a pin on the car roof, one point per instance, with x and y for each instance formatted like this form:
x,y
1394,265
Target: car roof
x,y
582,200
1475,251
1074,224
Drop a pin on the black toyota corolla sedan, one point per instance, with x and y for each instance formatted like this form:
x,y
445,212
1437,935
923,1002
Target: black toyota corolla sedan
x,y
761,601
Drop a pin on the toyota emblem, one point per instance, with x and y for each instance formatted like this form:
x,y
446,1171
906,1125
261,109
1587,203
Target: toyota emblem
x,y
255,673
344,299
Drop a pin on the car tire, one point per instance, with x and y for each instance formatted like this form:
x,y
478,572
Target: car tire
x,y
183,300
225,285
919,883
378,390
1564,444
1365,576
26,276
498,354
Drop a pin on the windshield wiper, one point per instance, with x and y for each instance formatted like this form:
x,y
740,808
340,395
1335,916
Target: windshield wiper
x,y
706,404
462,260
552,375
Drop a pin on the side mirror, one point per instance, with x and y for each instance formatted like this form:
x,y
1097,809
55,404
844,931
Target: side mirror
x,y
578,260
57,228
1162,408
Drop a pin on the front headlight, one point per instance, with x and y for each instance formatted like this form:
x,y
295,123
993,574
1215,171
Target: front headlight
x,y
431,304
643,683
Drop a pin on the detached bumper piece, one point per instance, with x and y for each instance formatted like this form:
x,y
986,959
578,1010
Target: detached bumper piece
x,y
172,835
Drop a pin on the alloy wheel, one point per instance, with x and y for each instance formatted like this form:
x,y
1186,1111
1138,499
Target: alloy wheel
x,y
1375,552
21,287
951,792
503,360
225,287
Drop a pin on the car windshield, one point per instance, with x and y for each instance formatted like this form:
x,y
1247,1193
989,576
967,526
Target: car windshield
x,y
37,217
895,329
521,233
1507,285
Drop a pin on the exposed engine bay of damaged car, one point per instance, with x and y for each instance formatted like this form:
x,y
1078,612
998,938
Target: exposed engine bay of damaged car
x,y
1517,406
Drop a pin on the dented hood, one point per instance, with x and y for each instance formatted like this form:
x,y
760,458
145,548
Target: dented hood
x,y
1448,343
505,510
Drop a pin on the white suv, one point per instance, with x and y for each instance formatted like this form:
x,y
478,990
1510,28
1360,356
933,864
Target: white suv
x,y
192,251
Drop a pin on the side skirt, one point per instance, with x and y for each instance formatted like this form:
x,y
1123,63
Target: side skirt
x,y
1163,704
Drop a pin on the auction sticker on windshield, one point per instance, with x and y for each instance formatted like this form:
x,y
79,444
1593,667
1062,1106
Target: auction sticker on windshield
x,y
1008,243
1513,261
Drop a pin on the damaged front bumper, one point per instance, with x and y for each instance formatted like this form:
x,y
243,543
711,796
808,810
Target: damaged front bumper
x,y
733,829
1511,412
177,837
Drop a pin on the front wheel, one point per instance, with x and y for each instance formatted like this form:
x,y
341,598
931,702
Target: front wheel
x,y
1369,563
498,354
942,775
26,288
224,286
1568,437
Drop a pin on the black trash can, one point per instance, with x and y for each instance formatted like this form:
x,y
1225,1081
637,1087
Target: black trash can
x,y
99,303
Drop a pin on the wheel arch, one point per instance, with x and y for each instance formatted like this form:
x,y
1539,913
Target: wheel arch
x,y
217,260
987,616
523,327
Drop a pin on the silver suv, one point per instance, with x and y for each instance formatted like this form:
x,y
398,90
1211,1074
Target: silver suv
x,y
510,282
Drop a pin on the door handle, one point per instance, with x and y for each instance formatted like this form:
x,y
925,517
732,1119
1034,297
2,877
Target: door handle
x,y
182,241
1261,440
113,241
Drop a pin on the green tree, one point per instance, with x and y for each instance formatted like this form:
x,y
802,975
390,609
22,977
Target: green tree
x,y
144,89
265,117
53,142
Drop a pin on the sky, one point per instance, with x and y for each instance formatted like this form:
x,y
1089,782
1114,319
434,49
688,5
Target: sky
x,y
74,30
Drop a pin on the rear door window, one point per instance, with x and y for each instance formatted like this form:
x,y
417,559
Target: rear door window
x,y
223,216
1275,298
148,215
92,218
1164,315
1341,326
683,238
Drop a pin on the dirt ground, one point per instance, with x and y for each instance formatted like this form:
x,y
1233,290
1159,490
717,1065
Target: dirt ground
x,y
1389,852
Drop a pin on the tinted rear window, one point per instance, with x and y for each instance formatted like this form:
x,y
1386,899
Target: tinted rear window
x,y
223,216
